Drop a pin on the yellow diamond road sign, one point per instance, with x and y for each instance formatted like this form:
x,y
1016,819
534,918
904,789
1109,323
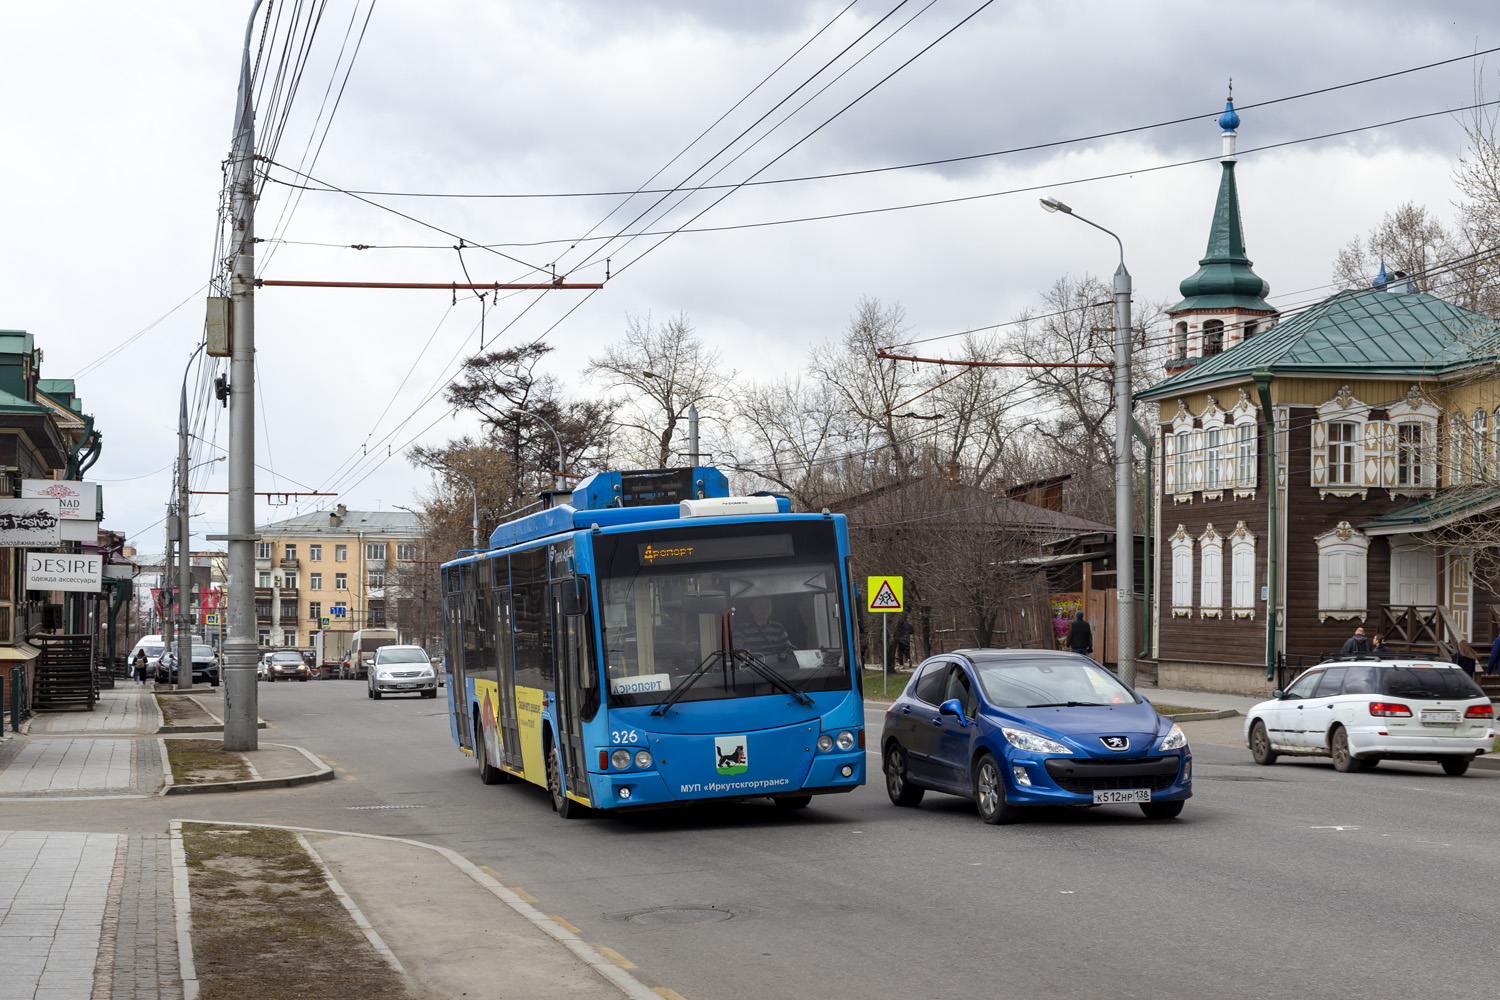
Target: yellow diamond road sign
x,y
883,594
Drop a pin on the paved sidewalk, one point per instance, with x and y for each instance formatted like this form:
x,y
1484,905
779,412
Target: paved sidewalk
x,y
121,711
53,892
1200,699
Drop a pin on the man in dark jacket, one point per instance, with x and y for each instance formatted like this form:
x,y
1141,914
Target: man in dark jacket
x,y
1356,645
1080,636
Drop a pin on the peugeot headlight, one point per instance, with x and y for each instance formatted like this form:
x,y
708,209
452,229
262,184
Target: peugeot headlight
x,y
620,759
1022,740
845,740
825,743
1176,739
643,758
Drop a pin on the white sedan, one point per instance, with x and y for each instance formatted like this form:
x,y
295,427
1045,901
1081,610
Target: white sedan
x,y
1363,711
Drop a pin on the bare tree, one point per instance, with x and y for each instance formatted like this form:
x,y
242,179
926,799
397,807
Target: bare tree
x,y
662,370
795,429
873,388
1410,240
448,502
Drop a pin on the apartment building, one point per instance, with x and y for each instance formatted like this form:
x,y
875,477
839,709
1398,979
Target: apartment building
x,y
331,563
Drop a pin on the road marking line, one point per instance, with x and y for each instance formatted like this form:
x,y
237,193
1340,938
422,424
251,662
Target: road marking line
x,y
349,777
669,993
615,957
563,923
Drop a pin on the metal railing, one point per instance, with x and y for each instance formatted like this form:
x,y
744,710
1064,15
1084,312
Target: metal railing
x,y
16,701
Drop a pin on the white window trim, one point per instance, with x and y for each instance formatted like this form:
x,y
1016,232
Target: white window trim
x,y
1182,583
1241,542
1177,469
1243,415
1211,574
1343,408
1343,540
1209,464
1416,410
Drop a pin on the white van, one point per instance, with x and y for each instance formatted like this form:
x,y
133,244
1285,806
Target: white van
x,y
154,647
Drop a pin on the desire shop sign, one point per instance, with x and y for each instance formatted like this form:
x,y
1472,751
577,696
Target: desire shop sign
x,y
50,571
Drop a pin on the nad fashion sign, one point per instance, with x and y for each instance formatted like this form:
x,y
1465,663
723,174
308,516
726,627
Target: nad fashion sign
x,y
30,524
53,571
77,501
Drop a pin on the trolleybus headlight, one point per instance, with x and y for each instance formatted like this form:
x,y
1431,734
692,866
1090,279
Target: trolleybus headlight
x,y
643,758
620,759
825,743
845,740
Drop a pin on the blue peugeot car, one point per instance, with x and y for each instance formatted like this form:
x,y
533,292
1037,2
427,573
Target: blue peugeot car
x,y
1017,728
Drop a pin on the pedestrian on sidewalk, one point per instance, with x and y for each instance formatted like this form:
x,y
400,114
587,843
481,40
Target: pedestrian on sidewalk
x,y
1080,636
1494,664
140,666
1377,645
904,633
1356,644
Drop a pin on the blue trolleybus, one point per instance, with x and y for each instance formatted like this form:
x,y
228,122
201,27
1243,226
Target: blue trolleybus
x,y
649,640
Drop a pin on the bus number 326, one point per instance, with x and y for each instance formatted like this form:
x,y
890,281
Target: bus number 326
x,y
625,736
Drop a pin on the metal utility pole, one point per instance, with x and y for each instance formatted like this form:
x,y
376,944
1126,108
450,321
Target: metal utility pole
x,y
184,550
166,625
241,698
1124,463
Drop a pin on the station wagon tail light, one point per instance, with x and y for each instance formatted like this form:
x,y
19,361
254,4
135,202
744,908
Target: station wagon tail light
x,y
1389,709
1480,712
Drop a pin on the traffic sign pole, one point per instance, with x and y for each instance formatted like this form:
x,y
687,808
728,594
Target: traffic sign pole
x,y
885,657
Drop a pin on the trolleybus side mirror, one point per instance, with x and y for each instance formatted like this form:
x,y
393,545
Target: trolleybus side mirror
x,y
708,602
572,601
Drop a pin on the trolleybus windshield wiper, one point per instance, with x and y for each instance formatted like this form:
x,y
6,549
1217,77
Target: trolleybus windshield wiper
x,y
776,680
687,682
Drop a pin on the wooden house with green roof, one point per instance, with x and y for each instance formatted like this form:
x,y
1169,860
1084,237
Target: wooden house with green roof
x,y
1355,511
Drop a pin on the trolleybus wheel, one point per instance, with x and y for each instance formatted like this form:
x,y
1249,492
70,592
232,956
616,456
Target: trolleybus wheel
x,y
561,804
790,802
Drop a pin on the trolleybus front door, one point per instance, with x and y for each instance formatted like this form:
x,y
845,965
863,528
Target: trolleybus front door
x,y
567,646
510,732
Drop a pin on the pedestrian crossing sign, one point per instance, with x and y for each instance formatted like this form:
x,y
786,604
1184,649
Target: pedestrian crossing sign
x,y
883,594
210,619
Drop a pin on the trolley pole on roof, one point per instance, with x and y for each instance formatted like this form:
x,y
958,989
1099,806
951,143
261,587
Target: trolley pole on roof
x,y
241,698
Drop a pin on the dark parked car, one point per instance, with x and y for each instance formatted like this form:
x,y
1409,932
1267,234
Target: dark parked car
x,y
1017,728
205,666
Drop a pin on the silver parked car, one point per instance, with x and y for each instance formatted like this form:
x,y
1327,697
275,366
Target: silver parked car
x,y
401,670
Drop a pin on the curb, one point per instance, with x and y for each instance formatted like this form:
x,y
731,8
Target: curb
x,y
360,920
322,773
183,912
1227,713
169,730
615,974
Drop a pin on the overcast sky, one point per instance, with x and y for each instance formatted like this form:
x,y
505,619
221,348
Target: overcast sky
x,y
117,120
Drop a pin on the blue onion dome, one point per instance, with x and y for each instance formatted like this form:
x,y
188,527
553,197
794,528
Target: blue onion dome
x,y
1229,121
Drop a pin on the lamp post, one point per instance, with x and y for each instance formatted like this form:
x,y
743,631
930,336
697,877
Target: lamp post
x,y
423,571
1124,462
557,480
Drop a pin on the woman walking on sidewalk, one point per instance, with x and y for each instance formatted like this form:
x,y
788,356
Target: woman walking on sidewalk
x,y
140,666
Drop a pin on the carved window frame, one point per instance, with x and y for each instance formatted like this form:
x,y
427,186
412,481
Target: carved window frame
x,y
1211,574
1242,572
1343,562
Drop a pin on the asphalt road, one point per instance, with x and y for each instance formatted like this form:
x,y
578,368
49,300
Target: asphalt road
x,y
1289,881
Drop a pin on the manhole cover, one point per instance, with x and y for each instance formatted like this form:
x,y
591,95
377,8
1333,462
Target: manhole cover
x,y
680,915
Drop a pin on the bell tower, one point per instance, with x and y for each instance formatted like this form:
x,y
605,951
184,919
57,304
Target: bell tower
x,y
1224,301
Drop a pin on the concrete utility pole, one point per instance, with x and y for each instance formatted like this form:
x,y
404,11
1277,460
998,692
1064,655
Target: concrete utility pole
x,y
693,435
167,629
184,549
1124,463
241,708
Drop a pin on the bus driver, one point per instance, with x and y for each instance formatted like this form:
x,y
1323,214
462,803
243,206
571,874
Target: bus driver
x,y
761,634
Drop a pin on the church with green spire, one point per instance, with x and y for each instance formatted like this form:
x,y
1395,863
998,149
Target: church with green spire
x,y
1224,301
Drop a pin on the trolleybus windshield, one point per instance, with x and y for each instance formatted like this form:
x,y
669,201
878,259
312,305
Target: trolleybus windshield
x,y
736,611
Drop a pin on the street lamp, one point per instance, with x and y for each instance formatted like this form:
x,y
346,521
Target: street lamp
x,y
1124,462
557,480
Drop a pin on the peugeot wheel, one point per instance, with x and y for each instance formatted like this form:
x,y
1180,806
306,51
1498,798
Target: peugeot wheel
x,y
901,790
1162,810
989,793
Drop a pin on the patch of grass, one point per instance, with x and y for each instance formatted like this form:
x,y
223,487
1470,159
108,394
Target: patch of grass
x,y
176,711
267,927
1176,709
894,684
199,761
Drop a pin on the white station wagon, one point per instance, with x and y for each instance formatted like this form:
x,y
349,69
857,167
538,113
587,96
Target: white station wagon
x,y
1365,710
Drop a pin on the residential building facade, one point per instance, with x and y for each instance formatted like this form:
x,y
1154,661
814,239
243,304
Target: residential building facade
x,y
332,563
1318,472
